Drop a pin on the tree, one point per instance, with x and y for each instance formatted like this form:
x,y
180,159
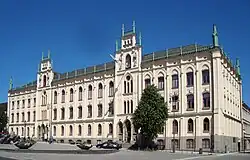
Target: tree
x,y
3,121
151,113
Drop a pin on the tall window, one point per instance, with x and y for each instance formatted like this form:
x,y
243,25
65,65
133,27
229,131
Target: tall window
x,y
206,125
111,108
128,85
190,101
63,96
206,100
111,89
99,130
70,112
44,98
70,130
80,94
89,111
90,92
55,114
175,103
54,131
44,80
132,108
80,112
55,97
190,126
17,117
28,114
147,82
190,79
175,81
205,76
34,102
175,127
161,83
99,110
100,90
89,130
22,116
125,107
34,116
28,103
71,95
23,103
128,61
13,104
110,128
62,130
190,143
12,117
62,114
205,143
18,104
79,130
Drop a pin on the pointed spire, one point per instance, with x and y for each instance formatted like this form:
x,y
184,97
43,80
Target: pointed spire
x,y
215,36
123,29
11,83
42,56
140,39
116,46
238,65
48,53
133,26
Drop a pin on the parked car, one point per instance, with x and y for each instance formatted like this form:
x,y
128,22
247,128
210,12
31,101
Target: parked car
x,y
84,146
109,145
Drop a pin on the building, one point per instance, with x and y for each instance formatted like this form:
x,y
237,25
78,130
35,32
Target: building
x,y
246,126
94,104
3,116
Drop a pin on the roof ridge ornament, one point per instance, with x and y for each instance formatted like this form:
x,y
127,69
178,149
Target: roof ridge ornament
x,y
123,29
11,83
215,36
133,26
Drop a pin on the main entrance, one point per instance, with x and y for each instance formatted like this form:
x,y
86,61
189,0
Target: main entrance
x,y
125,131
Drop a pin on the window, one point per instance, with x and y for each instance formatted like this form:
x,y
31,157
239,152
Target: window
x,y
62,130
206,125
175,142
71,95
111,89
89,130
175,127
23,104
28,131
132,108
63,96
62,114
205,76
17,131
128,61
175,103
34,102
190,79
55,114
80,94
99,130
54,131
161,83
100,90
34,116
205,143
79,130
190,102
13,104
206,100
70,130
190,126
22,131
44,80
70,112
17,117
28,103
18,104
175,81
128,107
22,116
28,114
128,85
44,98
89,111
90,92
99,110
190,143
110,128
125,107
111,108
80,112
55,97
12,117
147,82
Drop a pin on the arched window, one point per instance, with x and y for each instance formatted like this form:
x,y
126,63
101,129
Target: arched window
x,y
110,128
99,130
125,107
175,80
79,112
28,131
99,110
111,89
128,84
71,95
63,96
89,111
175,127
44,80
54,131
80,94
206,100
55,97
190,102
132,108
70,130
89,130
90,92
205,76
190,125
206,125
128,61
62,130
71,112
79,130
100,90
55,114
62,114
128,107
161,82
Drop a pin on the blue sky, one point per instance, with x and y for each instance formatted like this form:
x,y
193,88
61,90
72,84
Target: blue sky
x,y
83,33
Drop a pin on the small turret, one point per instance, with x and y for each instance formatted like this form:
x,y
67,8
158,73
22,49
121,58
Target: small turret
x,y
11,84
238,66
215,37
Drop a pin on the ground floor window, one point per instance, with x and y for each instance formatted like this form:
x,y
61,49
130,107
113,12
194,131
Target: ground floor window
x,y
190,143
175,143
205,143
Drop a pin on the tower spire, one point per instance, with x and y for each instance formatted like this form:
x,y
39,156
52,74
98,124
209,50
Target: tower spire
x,y
140,38
238,65
133,26
116,46
215,36
48,53
11,83
42,55
123,30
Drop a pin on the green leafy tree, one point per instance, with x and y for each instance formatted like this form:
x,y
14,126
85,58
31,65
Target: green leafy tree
x,y
151,113
3,120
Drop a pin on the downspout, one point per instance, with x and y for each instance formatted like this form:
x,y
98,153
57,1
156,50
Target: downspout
x,y
213,103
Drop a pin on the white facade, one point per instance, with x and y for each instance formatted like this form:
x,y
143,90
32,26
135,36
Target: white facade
x,y
96,103
246,126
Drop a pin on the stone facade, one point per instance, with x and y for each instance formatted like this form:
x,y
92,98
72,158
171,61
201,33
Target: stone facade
x,y
246,126
200,84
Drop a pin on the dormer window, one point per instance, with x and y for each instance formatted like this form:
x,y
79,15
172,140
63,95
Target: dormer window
x,y
128,61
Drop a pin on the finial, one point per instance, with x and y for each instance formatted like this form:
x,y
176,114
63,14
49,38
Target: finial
x,y
48,53
42,55
133,26
140,38
116,46
215,36
238,65
123,29
11,83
